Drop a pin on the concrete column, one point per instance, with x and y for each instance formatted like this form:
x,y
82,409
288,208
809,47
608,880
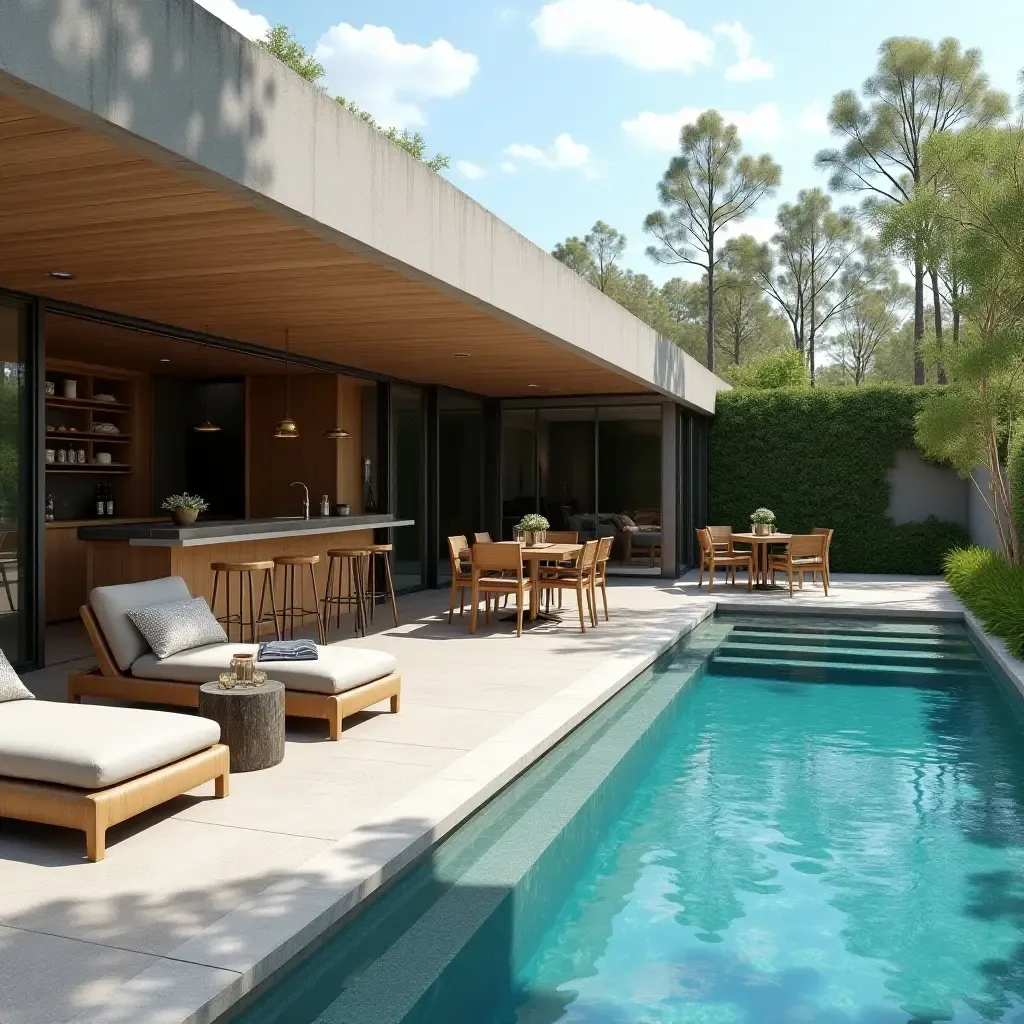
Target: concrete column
x,y
669,487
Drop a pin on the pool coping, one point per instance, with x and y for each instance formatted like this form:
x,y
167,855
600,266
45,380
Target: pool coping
x,y
210,973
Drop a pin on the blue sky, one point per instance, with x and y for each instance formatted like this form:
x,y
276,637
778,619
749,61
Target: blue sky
x,y
560,112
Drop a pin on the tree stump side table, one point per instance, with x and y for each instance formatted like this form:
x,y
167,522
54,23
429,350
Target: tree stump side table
x,y
251,720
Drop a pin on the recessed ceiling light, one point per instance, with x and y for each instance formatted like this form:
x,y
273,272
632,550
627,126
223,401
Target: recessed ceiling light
x,y
165,360
461,355
61,275
533,385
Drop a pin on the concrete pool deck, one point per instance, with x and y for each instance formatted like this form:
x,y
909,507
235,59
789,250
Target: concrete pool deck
x,y
201,900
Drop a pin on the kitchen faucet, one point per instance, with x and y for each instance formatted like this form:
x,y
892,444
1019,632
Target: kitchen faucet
x,y
305,500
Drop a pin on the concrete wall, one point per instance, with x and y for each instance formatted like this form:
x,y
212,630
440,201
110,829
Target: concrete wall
x,y
168,80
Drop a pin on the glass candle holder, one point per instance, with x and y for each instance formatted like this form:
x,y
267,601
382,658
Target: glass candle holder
x,y
227,680
242,669
259,677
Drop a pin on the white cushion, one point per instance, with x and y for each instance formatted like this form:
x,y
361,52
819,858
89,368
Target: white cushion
x,y
338,668
111,605
92,746
11,686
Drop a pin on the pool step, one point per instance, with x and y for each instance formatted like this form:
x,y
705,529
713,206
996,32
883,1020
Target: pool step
x,y
887,657
798,670
839,638
885,631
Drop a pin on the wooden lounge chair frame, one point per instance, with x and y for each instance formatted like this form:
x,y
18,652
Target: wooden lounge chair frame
x,y
107,680
93,811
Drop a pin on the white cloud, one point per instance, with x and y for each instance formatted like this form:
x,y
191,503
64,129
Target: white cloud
x,y
468,169
505,14
747,66
661,131
813,119
241,20
640,34
564,152
508,167
389,78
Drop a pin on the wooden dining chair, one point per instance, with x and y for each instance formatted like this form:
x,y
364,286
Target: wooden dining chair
x,y
498,569
462,574
721,538
580,578
827,575
803,553
600,578
482,538
710,559
562,536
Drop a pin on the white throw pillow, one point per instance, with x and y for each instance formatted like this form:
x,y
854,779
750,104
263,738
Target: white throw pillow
x,y
11,687
178,626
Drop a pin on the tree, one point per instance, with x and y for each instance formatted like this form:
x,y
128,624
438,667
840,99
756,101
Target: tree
x,y
979,202
917,90
868,322
807,267
709,185
281,43
642,297
686,303
596,256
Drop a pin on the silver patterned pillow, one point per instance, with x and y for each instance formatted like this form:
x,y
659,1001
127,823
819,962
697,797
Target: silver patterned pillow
x,y
11,687
178,626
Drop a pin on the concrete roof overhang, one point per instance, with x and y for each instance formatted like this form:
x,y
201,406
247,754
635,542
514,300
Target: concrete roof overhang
x,y
187,177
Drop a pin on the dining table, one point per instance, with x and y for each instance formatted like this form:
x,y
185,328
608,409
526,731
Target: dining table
x,y
533,556
759,543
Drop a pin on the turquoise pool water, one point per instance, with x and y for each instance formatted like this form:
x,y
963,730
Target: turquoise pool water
x,y
781,822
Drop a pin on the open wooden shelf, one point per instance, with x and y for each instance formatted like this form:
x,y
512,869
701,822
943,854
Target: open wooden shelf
x,y
85,403
78,467
81,435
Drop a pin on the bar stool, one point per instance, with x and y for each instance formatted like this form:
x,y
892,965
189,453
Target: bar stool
x,y
339,561
244,570
291,607
384,551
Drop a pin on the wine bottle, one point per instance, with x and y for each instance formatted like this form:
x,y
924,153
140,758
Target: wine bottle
x,y
110,500
101,505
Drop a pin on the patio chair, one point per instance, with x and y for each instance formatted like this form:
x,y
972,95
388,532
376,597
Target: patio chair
x,y
498,569
580,578
804,553
710,559
604,552
342,681
462,574
484,537
828,547
721,538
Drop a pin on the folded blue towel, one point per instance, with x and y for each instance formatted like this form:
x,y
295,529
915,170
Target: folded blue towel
x,y
287,650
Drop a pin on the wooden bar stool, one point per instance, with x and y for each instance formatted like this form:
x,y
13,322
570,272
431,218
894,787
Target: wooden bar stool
x,y
384,551
291,607
244,571
340,561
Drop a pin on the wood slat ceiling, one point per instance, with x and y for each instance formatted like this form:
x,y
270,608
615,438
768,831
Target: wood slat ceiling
x,y
149,242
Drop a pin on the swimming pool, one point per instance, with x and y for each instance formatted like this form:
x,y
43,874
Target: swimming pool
x,y
780,821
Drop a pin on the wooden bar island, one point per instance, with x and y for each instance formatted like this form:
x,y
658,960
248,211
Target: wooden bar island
x,y
132,552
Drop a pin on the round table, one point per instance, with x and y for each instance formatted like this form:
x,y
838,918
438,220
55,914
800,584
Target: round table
x,y
759,542
251,720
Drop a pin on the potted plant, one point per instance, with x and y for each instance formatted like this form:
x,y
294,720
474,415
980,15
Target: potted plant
x,y
762,521
534,528
184,508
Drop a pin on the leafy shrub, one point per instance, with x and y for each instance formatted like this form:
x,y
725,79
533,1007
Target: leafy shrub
x,y
779,370
992,589
821,457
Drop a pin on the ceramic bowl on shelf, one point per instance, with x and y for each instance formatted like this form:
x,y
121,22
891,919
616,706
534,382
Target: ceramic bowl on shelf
x,y
103,458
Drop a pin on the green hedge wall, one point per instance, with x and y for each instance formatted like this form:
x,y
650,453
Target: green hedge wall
x,y
820,457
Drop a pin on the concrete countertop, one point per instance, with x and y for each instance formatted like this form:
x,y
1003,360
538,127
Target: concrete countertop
x,y
167,535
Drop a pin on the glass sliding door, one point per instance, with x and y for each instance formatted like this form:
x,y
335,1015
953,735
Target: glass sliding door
x,y
518,467
629,485
16,482
567,463
460,453
408,478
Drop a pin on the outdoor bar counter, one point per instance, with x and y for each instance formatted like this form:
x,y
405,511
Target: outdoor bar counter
x,y
131,552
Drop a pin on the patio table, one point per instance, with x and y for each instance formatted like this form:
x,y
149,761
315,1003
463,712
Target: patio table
x,y
759,542
533,556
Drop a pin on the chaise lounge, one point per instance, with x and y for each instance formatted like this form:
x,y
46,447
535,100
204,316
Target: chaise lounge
x,y
89,767
342,681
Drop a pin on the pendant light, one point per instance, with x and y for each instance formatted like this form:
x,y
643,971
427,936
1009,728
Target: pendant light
x,y
206,427
287,427
336,433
